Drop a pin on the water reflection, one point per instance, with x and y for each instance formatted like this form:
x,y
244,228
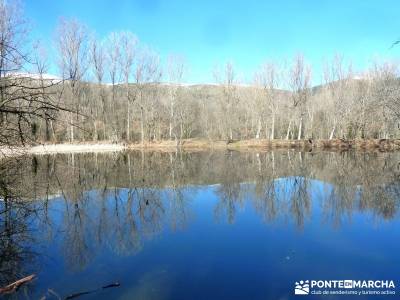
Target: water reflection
x,y
89,204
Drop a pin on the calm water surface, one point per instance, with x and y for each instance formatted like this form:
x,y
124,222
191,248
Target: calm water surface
x,y
222,225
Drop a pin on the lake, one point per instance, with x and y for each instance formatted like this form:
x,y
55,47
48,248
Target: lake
x,y
208,225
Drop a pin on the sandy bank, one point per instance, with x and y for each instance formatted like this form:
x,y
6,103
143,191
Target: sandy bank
x,y
75,148
60,148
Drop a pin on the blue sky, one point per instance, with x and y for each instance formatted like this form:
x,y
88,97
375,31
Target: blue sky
x,y
244,32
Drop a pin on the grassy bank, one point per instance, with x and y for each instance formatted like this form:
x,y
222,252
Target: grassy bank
x,y
263,144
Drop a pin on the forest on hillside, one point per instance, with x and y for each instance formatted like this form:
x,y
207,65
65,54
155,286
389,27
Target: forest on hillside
x,y
118,89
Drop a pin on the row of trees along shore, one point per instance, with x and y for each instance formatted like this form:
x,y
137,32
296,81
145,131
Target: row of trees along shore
x,y
118,89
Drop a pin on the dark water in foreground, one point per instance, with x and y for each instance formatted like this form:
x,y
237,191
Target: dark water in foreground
x,y
222,225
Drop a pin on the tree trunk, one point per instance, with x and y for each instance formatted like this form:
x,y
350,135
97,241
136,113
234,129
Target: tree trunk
x,y
47,130
72,129
171,120
332,132
288,130
258,129
142,125
181,135
128,130
300,128
52,130
273,127
95,131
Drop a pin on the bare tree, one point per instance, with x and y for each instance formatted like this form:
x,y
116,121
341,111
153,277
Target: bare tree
x,y
147,72
41,65
97,60
337,79
299,83
72,45
134,106
176,68
24,97
226,78
128,44
267,78
113,54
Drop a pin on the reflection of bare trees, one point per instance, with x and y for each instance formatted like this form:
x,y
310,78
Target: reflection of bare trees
x,y
15,216
76,245
150,211
119,221
118,202
179,200
363,182
286,196
300,203
265,200
229,192
228,195
265,189
15,240
284,181
179,208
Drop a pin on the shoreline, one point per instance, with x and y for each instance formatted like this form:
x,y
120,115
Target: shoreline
x,y
61,149
198,145
76,148
384,145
